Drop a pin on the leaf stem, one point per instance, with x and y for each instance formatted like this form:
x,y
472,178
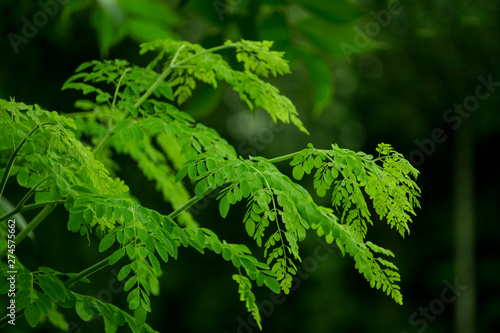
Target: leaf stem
x,y
88,271
20,209
109,132
211,50
280,158
186,205
102,143
29,194
31,226
114,99
159,80
34,223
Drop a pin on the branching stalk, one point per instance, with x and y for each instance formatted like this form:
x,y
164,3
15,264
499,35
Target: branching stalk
x,y
160,79
173,64
195,199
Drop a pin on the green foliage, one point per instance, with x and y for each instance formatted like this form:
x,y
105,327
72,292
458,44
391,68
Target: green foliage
x,y
389,186
191,62
134,111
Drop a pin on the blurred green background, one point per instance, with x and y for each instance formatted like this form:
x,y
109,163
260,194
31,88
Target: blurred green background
x,y
423,76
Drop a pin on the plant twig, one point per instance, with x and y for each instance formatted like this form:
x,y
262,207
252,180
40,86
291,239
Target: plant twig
x,y
186,205
102,143
159,80
281,158
31,226
109,132
87,272
29,194
25,208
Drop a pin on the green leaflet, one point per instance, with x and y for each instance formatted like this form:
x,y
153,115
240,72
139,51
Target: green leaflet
x,y
224,207
81,309
52,287
106,242
32,314
117,255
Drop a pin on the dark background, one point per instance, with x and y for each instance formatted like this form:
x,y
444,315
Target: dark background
x,y
395,87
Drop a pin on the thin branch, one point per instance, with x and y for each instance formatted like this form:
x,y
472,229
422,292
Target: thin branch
x,y
102,143
114,99
109,132
160,79
186,205
29,194
87,272
280,158
25,208
31,226
211,50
